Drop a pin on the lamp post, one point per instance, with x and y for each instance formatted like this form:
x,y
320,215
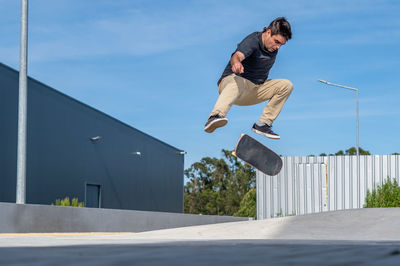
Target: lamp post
x,y
22,107
357,134
357,116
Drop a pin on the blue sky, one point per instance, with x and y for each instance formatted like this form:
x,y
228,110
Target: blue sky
x,y
154,65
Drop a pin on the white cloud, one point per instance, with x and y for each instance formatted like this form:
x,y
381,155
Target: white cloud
x,y
134,32
132,29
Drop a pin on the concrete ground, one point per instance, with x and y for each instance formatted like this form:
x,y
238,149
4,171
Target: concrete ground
x,y
353,237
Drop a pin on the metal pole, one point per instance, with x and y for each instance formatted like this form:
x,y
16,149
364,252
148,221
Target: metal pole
x,y
22,106
358,159
358,152
357,118
357,135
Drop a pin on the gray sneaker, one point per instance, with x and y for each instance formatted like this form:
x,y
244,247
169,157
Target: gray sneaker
x,y
265,130
214,122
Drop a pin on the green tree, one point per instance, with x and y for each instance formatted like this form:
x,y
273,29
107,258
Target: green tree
x,y
339,153
248,205
383,196
350,151
353,151
217,186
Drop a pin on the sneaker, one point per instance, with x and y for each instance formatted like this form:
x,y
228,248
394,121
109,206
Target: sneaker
x,y
265,130
214,122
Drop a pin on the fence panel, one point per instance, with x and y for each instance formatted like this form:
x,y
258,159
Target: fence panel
x,y
317,184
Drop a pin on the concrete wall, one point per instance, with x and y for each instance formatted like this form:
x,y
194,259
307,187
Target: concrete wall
x,y
62,159
16,218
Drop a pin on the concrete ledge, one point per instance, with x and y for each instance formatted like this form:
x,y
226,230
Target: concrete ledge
x,y
28,218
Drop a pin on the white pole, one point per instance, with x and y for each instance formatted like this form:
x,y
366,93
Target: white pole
x,y
358,158
22,106
358,152
357,118
357,136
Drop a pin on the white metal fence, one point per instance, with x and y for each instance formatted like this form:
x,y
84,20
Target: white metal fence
x,y
317,184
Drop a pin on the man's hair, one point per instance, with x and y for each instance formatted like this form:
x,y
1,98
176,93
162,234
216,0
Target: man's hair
x,y
280,26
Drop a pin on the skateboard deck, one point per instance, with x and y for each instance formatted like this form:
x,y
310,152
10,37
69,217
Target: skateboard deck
x,y
258,155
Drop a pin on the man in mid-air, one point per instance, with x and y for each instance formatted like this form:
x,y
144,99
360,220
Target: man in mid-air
x,y
245,79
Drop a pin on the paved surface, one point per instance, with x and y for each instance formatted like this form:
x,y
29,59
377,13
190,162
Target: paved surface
x,y
355,225
357,237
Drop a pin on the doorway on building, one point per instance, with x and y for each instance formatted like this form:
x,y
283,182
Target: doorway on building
x,y
93,195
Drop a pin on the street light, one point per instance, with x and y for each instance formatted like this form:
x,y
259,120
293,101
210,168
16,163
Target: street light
x,y
22,107
357,116
357,144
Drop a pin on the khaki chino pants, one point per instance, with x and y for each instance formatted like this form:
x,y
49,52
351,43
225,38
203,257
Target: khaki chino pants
x,y
236,90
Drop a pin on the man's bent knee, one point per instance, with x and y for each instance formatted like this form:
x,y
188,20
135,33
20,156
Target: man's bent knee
x,y
287,86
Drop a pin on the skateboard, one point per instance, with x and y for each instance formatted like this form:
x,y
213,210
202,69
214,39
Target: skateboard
x,y
257,155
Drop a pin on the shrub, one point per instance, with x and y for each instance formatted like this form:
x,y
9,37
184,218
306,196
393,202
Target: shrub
x,y
383,196
66,202
248,205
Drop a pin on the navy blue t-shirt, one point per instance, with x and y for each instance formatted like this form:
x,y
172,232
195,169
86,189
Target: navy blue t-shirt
x,y
258,60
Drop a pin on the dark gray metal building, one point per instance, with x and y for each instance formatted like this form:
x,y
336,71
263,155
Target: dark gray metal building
x,y
75,150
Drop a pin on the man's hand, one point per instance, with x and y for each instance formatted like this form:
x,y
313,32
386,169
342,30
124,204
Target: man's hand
x,y
237,68
236,60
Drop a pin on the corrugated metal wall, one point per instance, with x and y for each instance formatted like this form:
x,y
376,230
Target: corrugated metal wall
x,y
124,168
317,184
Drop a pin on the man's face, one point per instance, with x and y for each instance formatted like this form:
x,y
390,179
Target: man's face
x,y
273,42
